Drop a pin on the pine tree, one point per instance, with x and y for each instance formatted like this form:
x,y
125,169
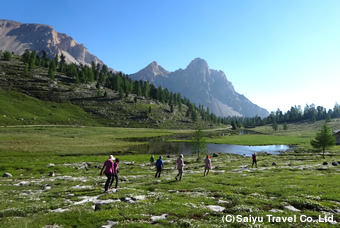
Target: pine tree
x,y
323,139
198,144
51,71
274,126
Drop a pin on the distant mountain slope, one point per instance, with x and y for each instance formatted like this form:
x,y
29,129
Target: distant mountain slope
x,y
16,37
202,86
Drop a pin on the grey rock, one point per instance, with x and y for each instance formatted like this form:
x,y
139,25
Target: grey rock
x,y
46,188
128,200
7,175
24,183
275,210
109,224
223,201
216,208
291,208
156,218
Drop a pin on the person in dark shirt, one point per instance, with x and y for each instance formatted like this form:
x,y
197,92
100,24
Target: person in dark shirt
x,y
254,160
159,165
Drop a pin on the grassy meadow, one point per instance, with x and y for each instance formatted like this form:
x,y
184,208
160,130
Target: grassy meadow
x,y
74,197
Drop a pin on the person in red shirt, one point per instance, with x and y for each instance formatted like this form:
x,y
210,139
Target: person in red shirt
x,y
109,169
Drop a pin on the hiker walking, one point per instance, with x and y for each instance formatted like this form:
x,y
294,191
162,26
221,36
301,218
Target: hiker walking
x,y
254,160
159,165
207,165
116,171
180,166
109,166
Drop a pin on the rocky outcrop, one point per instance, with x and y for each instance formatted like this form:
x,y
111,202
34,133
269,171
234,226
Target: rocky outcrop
x,y
16,37
202,85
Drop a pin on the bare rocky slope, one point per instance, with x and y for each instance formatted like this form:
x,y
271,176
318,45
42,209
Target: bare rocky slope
x,y
16,37
202,85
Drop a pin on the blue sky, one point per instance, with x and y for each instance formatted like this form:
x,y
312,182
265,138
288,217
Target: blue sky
x,y
277,53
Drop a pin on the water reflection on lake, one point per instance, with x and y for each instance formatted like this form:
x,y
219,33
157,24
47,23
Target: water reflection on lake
x,y
185,148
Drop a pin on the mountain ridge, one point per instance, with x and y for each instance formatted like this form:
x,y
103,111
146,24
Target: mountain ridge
x,y
204,86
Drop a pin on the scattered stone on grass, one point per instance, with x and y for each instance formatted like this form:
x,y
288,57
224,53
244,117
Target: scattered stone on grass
x,y
59,210
128,200
109,224
275,210
223,201
336,211
140,197
51,174
240,170
291,208
45,188
156,218
22,183
87,199
7,175
51,165
82,187
216,208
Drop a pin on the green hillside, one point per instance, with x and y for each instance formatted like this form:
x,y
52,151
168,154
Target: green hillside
x,y
20,109
31,97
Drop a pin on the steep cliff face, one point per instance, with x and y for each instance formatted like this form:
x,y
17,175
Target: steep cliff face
x,y
202,85
16,37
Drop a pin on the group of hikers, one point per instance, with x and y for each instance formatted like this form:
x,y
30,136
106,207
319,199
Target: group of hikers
x,y
111,168
179,165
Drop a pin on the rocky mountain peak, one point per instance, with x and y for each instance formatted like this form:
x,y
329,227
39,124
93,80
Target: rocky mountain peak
x,y
16,37
202,86
152,71
199,66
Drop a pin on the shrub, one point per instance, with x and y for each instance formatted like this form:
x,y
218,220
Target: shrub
x,y
7,56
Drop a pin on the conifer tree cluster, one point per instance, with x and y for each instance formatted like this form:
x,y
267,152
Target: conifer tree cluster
x,y
309,113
